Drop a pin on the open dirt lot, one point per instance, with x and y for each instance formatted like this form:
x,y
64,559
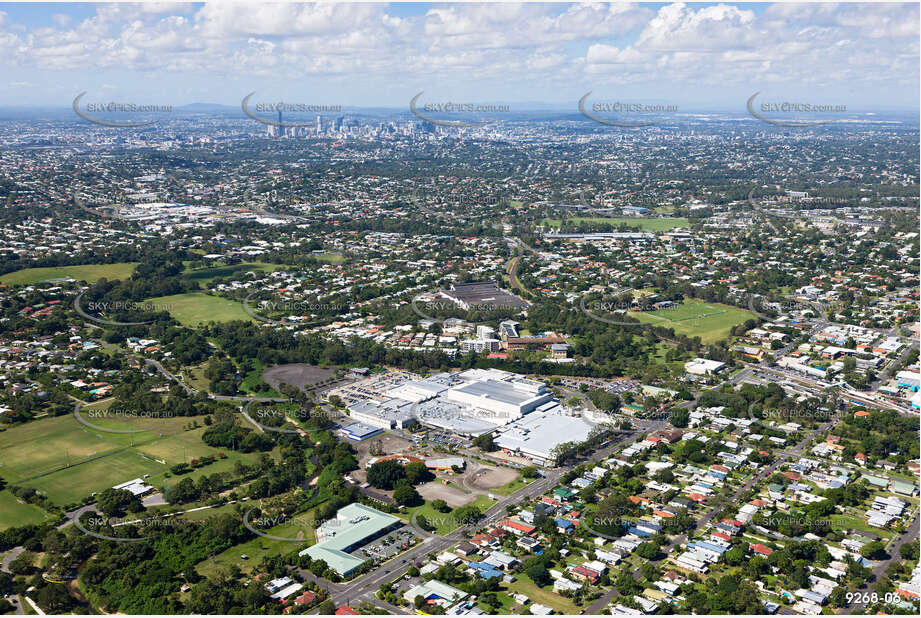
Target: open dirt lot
x,y
436,490
486,477
390,445
298,374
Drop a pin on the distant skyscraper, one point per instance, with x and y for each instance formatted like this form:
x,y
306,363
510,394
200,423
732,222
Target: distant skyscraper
x,y
319,125
277,130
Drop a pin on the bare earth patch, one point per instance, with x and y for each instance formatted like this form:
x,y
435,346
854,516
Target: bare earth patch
x,y
487,477
454,497
298,374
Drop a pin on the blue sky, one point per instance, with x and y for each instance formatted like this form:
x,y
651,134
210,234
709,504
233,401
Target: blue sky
x,y
700,56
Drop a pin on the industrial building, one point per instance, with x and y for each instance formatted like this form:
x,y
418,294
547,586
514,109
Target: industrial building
x,y
393,414
528,421
536,435
704,366
502,399
355,525
471,402
360,431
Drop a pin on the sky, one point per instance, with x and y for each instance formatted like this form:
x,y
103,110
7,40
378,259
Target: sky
x,y
699,56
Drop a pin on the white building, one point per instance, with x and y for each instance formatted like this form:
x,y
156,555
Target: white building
x,y
703,366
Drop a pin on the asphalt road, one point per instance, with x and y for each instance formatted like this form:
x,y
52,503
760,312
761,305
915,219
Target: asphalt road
x,y
910,534
364,587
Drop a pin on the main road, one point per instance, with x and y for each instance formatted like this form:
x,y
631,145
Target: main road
x,y
363,588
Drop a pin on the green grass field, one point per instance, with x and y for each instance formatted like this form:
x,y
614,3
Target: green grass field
x,y
194,308
710,321
206,275
74,460
14,512
444,522
253,379
658,224
89,273
49,443
329,257
78,481
545,596
843,521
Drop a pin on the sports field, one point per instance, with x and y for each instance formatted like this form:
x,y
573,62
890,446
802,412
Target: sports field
x,y
89,273
656,224
207,275
14,512
693,317
194,308
68,461
329,257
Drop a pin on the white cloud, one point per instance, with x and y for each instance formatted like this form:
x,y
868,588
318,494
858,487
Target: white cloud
x,y
529,49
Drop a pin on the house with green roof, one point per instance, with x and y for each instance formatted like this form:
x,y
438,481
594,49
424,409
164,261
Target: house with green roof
x,y
902,487
563,493
876,481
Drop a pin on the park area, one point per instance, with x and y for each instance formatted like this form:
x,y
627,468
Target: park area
x,y
67,461
443,523
90,273
206,275
696,318
15,512
194,308
294,534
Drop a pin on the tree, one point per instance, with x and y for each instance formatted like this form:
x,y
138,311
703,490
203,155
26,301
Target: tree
x,y
491,599
735,556
385,474
419,601
909,551
423,522
23,563
407,495
417,473
625,583
539,575
326,607
838,597
467,514
680,417
485,442
54,599
647,550
530,472
441,506
874,550
115,502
